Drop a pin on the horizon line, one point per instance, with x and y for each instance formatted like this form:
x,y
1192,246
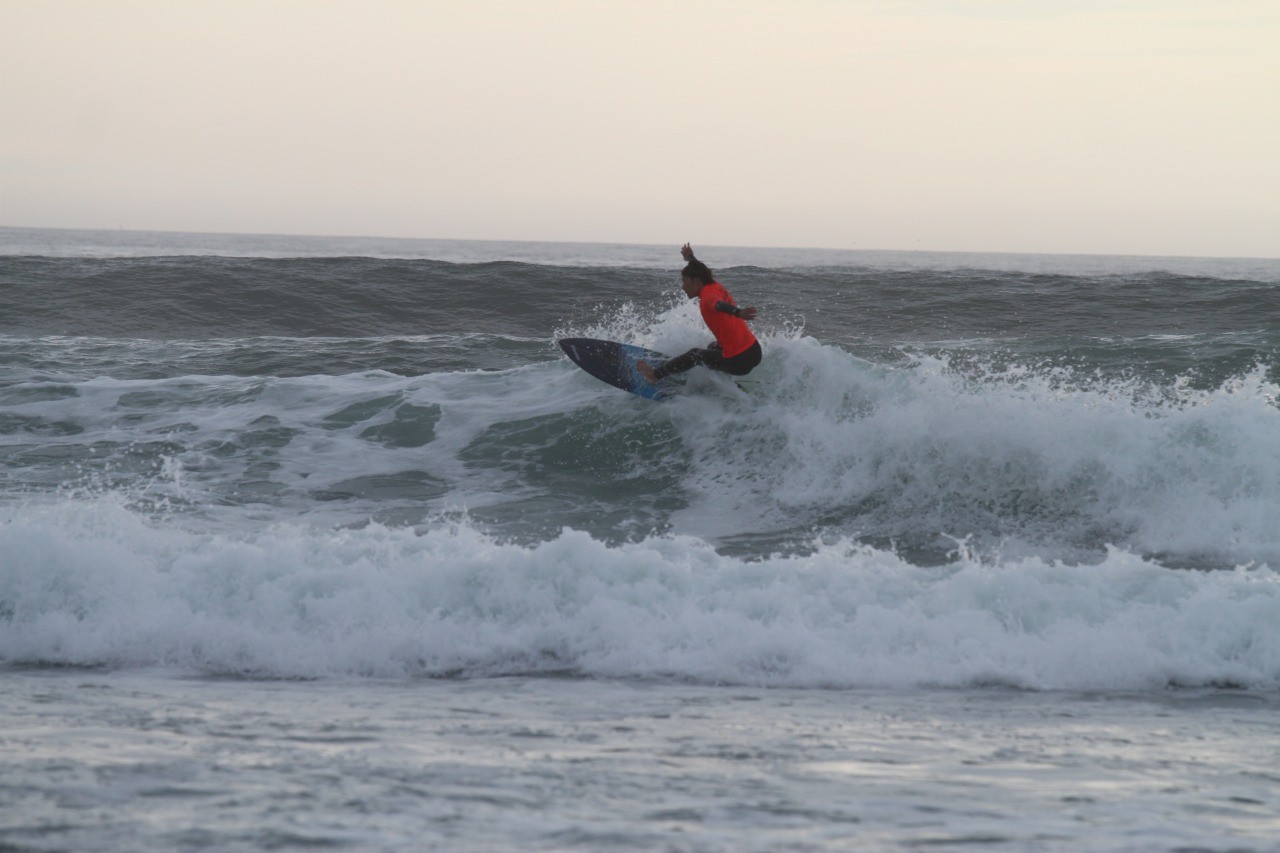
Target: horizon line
x,y
316,236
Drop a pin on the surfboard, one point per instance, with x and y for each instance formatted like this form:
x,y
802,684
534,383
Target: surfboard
x,y
615,363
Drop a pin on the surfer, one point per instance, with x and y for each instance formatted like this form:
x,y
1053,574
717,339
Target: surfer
x,y
735,350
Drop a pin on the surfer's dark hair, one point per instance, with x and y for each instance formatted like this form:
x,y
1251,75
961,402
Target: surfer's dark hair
x,y
698,271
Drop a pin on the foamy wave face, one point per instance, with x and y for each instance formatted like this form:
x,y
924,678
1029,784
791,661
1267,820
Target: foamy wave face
x,y
1048,459
910,458
1016,461
88,583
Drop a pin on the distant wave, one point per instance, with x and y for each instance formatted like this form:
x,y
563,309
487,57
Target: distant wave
x,y
206,297
193,297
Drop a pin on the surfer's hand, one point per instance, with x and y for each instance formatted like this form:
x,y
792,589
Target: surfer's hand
x,y
647,372
686,252
747,313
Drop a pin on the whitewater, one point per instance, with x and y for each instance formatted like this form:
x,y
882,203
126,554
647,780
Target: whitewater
x,y
322,541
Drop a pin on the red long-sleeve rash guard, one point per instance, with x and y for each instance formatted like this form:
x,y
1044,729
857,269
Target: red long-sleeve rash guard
x,y
733,333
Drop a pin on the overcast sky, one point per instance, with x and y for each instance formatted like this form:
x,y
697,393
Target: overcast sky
x,y
1125,126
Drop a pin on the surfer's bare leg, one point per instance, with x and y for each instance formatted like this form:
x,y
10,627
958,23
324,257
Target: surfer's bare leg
x,y
647,372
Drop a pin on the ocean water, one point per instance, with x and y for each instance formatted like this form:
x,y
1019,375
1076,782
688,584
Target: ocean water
x,y
323,542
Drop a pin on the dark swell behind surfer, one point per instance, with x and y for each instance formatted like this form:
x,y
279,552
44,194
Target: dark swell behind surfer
x,y
735,351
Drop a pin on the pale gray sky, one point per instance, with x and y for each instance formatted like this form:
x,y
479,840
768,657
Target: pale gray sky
x,y
1128,126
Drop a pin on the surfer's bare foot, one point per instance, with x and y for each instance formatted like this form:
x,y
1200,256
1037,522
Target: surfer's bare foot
x,y
647,372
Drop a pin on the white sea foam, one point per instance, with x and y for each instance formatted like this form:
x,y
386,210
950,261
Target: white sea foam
x,y
1021,462
89,583
1056,484
1018,457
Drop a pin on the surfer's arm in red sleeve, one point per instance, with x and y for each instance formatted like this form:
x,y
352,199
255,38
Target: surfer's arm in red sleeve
x,y
734,311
